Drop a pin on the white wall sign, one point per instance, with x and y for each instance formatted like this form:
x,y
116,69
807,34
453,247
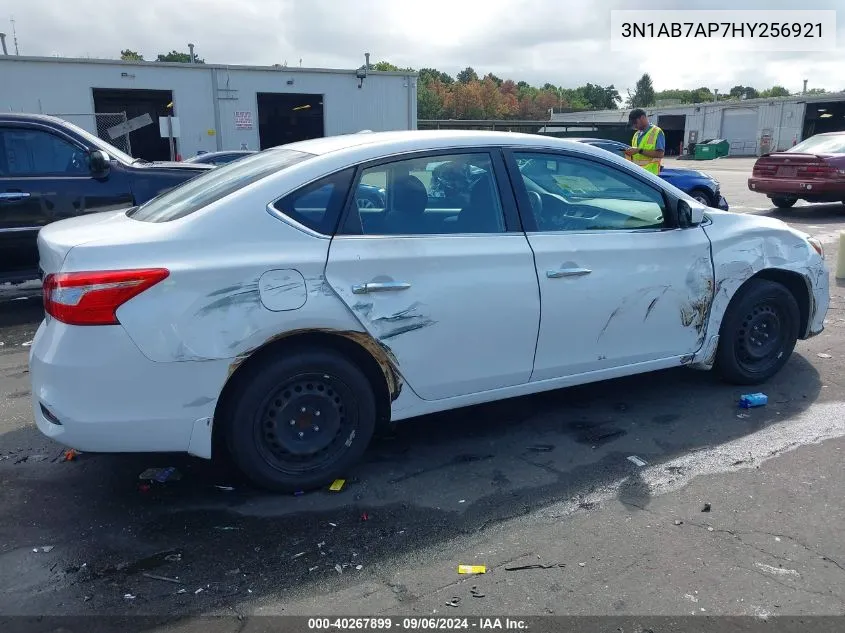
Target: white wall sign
x,y
162,127
243,120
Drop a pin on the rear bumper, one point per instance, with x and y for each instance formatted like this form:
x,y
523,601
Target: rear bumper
x,y
833,191
93,390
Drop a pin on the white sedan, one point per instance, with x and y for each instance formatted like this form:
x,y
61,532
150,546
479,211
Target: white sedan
x,y
257,311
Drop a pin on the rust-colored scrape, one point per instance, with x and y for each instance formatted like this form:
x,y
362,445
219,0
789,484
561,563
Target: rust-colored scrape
x,y
380,352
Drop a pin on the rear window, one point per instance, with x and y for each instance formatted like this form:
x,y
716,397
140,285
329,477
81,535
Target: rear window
x,y
216,184
833,144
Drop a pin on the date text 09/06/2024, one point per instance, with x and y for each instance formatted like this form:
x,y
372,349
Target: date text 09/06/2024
x,y
721,29
416,624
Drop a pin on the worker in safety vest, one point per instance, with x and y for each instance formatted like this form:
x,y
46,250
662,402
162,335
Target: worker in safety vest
x,y
649,142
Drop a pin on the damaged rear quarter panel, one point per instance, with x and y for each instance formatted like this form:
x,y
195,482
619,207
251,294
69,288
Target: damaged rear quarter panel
x,y
743,246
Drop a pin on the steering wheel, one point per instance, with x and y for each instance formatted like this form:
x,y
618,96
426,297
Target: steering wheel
x,y
536,203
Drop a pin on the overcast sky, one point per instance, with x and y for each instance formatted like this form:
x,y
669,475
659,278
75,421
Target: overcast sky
x,y
565,42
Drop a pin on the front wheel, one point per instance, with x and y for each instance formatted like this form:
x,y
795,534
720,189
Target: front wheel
x,y
702,197
300,420
784,202
758,333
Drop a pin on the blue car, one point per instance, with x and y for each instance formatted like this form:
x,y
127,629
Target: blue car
x,y
694,183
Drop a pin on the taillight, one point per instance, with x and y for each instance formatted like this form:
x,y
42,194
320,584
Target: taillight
x,y
817,169
92,298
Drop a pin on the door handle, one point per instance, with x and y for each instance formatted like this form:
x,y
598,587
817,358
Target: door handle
x,y
14,195
379,286
567,272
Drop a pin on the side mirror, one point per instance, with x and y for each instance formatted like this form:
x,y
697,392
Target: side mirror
x,y
690,213
100,163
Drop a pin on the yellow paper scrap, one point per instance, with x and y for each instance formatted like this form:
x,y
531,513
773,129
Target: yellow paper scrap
x,y
472,569
337,484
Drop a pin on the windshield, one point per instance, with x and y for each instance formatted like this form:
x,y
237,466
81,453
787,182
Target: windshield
x,y
833,144
100,143
215,184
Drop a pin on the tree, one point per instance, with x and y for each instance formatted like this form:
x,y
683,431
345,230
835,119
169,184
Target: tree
x,y
738,92
131,56
494,79
467,75
643,95
176,56
430,99
600,97
428,75
816,91
775,91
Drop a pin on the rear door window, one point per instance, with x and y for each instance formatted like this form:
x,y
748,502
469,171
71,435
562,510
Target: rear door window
x,y
318,206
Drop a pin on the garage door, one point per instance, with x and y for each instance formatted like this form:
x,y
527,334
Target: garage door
x,y
739,127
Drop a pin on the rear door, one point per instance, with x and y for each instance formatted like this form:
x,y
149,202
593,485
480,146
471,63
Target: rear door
x,y
451,291
620,286
45,176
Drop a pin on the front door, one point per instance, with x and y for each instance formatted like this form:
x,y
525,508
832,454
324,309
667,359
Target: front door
x,y
46,177
619,286
450,290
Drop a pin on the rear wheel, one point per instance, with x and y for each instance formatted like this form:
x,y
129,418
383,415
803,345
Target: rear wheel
x,y
299,421
784,202
758,332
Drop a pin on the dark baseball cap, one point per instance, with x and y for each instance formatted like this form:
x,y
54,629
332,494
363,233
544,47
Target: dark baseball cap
x,y
636,113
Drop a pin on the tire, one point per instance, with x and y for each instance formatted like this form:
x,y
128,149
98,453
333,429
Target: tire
x,y
702,196
784,202
758,333
282,448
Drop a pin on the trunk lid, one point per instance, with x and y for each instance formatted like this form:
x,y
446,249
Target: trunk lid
x,y
57,239
790,165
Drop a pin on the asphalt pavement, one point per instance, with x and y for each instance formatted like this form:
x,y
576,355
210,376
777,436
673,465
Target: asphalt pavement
x,y
540,490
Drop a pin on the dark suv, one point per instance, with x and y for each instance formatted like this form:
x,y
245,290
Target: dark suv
x,y
51,170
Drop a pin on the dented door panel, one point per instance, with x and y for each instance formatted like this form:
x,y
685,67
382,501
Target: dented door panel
x,y
460,314
646,297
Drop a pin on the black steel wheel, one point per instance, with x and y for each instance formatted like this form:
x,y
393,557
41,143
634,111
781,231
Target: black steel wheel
x,y
758,333
300,421
784,202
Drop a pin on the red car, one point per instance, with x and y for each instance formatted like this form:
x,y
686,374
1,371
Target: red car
x,y
813,170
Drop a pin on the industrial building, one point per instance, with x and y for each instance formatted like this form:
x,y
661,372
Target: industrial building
x,y
212,107
752,127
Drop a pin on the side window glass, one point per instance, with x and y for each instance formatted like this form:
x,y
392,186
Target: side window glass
x,y
454,193
37,153
574,194
318,205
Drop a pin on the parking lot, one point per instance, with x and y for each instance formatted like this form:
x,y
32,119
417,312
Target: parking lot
x,y
539,489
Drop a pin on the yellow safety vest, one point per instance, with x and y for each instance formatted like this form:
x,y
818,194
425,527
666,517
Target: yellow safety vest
x,y
647,142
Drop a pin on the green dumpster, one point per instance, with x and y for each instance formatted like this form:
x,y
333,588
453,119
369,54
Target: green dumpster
x,y
714,148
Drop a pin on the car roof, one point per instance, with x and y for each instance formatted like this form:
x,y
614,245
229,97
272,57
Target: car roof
x,y
26,116
386,143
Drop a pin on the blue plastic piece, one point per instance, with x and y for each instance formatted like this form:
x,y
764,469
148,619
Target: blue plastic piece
x,y
753,400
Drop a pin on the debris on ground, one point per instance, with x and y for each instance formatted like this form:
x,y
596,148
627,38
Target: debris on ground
x,y
706,508
225,488
173,558
823,355
743,416
678,522
582,564
365,516
163,578
534,566
636,460
337,485
44,548
454,602
476,592
541,448
462,501
198,591
161,475
310,569
26,344
181,591
750,400
472,569
338,568
295,556
359,567
226,528
86,598
128,596
333,524
710,529
71,454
